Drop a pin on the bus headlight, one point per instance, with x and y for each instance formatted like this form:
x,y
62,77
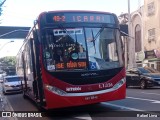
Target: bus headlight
x,y
55,90
120,83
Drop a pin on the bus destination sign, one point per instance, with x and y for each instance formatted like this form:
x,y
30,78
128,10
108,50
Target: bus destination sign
x,y
79,17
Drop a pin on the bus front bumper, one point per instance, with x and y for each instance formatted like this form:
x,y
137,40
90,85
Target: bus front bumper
x,y
55,100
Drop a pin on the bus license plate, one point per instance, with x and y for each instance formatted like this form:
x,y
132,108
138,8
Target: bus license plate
x,y
91,97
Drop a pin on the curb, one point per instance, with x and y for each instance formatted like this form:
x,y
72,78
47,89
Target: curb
x,y
5,106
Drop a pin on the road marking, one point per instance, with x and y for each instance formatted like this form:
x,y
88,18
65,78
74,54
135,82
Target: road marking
x,y
122,107
9,108
152,101
150,93
129,108
83,117
6,104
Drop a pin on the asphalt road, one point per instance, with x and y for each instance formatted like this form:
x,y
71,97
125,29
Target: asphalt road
x,y
138,104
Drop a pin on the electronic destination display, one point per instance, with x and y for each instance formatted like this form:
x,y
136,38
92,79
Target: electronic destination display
x,y
69,17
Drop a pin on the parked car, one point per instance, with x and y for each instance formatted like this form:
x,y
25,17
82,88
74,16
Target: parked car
x,y
154,74
139,77
12,84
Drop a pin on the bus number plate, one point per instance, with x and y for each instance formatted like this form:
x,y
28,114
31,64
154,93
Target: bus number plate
x,y
91,97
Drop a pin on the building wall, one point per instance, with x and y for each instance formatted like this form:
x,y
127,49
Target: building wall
x,y
149,19
151,22
137,34
136,18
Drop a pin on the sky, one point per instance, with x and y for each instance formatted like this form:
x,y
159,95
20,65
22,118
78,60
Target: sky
x,y
24,12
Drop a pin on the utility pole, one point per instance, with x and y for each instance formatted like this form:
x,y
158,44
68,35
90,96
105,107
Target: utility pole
x,y
131,42
124,21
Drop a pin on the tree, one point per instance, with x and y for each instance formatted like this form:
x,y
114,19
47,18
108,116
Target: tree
x,y
9,61
1,5
7,64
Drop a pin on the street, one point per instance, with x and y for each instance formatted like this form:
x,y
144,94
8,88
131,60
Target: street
x,y
137,100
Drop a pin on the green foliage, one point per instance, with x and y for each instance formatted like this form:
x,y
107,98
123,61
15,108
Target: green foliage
x,y
8,61
1,5
7,64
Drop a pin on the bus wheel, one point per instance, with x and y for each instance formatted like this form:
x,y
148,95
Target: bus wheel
x,y
143,84
40,108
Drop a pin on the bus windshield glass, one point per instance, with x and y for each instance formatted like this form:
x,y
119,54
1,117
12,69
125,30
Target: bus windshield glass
x,y
82,48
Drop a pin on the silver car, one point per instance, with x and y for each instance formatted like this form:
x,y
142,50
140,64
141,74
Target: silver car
x,y
1,79
12,84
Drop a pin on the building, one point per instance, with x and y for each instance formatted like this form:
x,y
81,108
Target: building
x,y
146,33
137,34
152,33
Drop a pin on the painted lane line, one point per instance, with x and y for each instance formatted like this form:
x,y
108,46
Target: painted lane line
x,y
129,108
152,101
122,107
150,93
83,117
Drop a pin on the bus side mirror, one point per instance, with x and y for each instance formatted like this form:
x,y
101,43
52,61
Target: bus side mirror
x,y
124,30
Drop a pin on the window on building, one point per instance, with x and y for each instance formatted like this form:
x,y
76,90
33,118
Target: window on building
x,y
151,34
137,38
158,66
151,9
152,66
139,65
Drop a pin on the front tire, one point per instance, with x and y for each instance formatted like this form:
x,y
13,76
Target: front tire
x,y
24,95
143,84
41,108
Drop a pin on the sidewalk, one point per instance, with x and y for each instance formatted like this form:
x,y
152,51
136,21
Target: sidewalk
x,y
5,106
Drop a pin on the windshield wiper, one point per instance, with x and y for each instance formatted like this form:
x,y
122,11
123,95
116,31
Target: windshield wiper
x,y
93,41
98,33
96,36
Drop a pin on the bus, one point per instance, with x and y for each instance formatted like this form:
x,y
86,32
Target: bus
x,y
72,58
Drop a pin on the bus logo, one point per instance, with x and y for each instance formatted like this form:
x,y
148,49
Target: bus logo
x,y
73,89
89,74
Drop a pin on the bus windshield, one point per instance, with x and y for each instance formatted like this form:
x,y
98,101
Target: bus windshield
x,y
82,48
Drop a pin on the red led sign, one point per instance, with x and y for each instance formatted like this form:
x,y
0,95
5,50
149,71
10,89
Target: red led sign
x,y
80,17
71,65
